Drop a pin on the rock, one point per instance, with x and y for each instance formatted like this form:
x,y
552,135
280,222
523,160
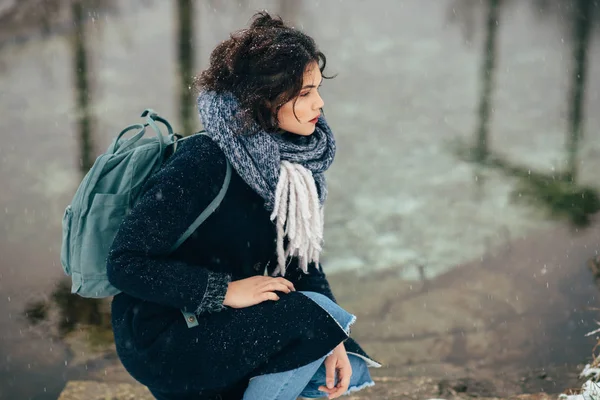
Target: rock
x,y
91,390
386,388
466,386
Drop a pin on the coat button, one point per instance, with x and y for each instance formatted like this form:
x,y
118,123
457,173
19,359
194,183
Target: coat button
x,y
191,319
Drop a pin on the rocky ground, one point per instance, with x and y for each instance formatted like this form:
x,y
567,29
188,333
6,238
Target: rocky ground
x,y
416,388
509,323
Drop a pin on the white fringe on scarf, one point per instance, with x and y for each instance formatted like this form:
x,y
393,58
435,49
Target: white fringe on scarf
x,y
299,215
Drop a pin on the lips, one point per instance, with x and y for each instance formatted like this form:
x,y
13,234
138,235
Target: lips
x,y
314,120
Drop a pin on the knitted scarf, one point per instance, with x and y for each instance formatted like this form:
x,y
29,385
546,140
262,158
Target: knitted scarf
x,y
286,170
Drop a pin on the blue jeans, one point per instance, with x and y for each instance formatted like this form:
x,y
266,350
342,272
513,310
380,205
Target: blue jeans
x,y
305,381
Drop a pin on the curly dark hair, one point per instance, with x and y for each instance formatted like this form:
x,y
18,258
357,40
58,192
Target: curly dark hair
x,y
262,66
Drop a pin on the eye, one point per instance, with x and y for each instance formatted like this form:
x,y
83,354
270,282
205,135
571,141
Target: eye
x,y
304,94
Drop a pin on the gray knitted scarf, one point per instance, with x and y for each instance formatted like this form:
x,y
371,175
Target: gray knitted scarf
x,y
286,170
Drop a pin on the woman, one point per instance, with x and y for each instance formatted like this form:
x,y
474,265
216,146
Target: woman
x,y
256,336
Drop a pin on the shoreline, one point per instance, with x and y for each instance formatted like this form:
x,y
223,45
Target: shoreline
x,y
519,327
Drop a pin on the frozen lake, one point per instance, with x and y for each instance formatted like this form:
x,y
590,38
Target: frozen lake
x,y
408,87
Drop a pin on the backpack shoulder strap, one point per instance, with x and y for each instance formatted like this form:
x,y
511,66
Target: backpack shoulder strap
x,y
190,318
209,209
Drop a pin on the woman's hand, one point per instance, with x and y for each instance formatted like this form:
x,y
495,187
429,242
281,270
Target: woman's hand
x,y
250,291
337,361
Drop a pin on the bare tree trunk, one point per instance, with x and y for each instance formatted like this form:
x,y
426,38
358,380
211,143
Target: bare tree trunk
x,y
581,39
487,80
185,17
82,86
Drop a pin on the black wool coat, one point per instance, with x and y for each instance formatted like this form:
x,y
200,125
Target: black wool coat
x,y
229,346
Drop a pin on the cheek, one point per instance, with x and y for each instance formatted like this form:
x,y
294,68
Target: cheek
x,y
286,116
282,117
303,111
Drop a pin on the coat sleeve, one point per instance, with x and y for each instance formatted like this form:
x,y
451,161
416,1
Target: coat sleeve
x,y
138,262
314,281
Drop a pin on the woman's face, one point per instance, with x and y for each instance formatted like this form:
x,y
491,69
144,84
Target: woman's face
x,y
307,105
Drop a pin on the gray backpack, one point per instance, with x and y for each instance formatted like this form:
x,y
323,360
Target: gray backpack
x,y
104,197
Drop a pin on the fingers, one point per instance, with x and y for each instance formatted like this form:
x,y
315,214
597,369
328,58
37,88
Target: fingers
x,y
344,372
329,363
326,390
330,372
344,375
284,282
265,288
277,284
287,283
260,280
268,296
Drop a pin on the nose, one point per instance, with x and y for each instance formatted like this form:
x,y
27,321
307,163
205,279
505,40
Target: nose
x,y
319,103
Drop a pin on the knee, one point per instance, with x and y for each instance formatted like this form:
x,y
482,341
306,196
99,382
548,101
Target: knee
x,y
343,317
318,297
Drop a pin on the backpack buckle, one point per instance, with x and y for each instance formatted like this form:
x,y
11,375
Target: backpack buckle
x,y
148,112
176,137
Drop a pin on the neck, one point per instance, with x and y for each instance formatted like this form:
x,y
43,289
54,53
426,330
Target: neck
x,y
293,137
